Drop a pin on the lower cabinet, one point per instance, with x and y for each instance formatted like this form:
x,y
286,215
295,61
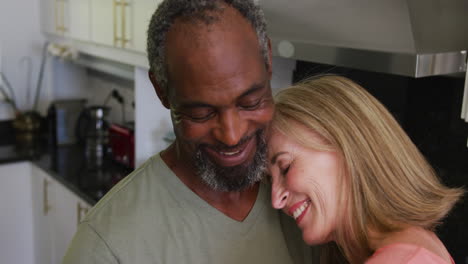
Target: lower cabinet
x,y
16,216
58,212
67,211
41,192
38,215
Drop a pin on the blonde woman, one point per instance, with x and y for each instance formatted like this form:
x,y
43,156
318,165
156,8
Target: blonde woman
x,y
344,169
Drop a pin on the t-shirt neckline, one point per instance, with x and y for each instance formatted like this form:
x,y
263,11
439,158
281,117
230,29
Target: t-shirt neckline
x,y
190,199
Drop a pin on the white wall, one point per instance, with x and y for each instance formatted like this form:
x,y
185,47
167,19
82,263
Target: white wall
x,y
283,69
100,86
152,120
21,46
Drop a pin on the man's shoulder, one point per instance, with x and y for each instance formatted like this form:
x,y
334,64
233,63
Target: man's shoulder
x,y
132,192
127,217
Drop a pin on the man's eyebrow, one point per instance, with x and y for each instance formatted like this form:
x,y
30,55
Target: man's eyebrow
x,y
254,88
195,105
275,157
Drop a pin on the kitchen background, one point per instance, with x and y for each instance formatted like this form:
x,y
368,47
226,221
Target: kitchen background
x,y
428,107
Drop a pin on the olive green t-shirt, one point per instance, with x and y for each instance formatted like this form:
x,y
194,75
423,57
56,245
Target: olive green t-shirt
x,y
152,217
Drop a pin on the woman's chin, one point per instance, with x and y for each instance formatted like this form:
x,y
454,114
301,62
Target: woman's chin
x,y
315,239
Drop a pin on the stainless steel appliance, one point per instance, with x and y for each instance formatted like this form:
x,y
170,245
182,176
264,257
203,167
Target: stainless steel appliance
x,y
415,38
93,131
62,117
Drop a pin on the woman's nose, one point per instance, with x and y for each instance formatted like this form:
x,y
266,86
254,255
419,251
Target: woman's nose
x,y
279,196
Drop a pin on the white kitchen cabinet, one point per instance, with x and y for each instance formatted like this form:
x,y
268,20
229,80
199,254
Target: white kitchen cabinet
x,y
68,210
126,21
49,16
55,17
141,13
109,29
103,22
42,187
78,19
57,214
38,215
111,22
122,23
16,221
68,18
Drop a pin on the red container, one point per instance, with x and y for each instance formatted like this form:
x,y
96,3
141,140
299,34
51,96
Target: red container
x,y
122,144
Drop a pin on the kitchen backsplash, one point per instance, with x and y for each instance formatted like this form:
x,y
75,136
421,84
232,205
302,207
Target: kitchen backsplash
x,y
72,81
101,85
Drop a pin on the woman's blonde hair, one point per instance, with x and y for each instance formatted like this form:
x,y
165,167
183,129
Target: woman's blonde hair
x,y
387,181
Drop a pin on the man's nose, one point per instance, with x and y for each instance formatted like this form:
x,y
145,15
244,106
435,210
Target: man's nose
x,y
231,128
279,196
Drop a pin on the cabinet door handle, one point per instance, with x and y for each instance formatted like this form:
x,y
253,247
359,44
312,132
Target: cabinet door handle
x,y
57,26
124,23
60,16
116,39
45,197
80,209
64,29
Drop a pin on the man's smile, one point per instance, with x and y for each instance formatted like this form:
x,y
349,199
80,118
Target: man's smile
x,y
229,157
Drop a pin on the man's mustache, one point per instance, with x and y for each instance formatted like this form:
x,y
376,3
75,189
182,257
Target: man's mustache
x,y
225,148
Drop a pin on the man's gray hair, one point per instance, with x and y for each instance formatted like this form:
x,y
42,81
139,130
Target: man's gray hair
x,y
196,10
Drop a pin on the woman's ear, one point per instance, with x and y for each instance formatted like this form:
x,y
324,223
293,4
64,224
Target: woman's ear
x,y
162,94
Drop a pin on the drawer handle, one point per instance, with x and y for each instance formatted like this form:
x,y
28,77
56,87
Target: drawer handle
x,y
79,210
45,197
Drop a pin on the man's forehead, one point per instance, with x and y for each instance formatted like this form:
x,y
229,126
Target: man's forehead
x,y
200,26
221,62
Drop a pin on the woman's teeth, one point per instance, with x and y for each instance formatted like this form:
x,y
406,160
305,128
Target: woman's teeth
x,y
300,210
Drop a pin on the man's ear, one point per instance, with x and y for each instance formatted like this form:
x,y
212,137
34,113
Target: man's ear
x,y
270,59
162,95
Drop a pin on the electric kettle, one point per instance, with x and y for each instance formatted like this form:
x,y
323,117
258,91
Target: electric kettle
x,y
93,131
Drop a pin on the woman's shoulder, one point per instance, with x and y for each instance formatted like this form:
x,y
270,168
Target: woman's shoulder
x,y
405,254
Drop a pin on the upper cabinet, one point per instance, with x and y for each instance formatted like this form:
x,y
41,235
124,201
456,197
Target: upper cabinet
x,y
103,22
141,14
68,18
49,23
121,23
108,29
77,15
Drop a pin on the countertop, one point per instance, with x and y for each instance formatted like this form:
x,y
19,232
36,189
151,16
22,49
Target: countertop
x,y
68,165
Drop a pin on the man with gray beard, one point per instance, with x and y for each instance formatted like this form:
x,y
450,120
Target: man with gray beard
x,y
201,199
237,177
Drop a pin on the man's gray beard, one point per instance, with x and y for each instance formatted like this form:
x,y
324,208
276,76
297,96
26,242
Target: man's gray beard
x,y
235,178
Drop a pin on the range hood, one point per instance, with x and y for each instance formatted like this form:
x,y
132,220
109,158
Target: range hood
x,y
414,38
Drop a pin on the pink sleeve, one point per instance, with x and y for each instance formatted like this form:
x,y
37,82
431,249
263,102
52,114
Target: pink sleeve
x,y
404,254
